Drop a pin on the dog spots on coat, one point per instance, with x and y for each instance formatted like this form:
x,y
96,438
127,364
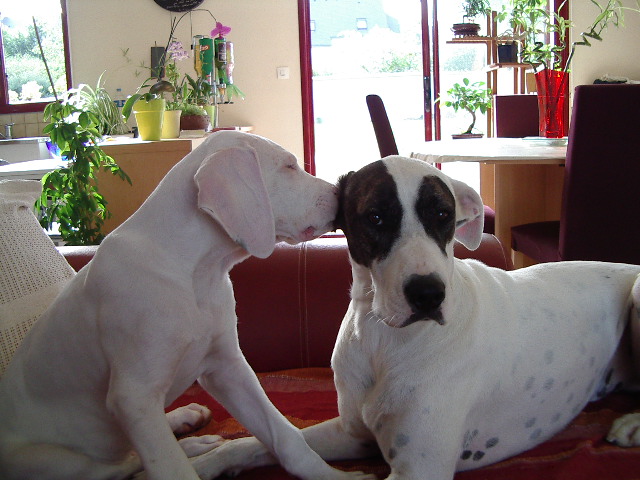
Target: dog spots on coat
x,y
537,433
392,453
402,440
530,422
529,384
556,417
466,455
548,384
492,442
548,357
478,456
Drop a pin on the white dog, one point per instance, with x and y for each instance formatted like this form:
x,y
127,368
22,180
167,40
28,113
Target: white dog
x,y
444,364
153,312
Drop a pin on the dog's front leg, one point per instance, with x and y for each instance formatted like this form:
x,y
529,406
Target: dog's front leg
x,y
234,384
417,447
141,414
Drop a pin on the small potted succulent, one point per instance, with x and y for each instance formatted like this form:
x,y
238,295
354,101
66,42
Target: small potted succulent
x,y
471,97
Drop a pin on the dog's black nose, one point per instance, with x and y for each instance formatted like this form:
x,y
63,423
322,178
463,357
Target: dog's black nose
x,y
425,294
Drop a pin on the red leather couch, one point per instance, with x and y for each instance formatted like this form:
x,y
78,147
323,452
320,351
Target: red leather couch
x,y
289,308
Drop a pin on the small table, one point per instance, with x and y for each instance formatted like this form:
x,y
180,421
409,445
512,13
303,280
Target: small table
x,y
521,179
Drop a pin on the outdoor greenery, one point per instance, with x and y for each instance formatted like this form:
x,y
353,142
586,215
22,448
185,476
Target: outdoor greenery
x,y
70,194
28,80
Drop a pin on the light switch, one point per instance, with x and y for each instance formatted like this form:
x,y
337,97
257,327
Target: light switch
x,y
283,73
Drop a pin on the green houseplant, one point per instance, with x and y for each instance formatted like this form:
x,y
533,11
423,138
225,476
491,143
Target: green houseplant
x,y
99,102
70,194
471,97
543,38
471,9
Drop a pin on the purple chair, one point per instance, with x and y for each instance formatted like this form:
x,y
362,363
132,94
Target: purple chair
x,y
387,146
601,195
516,115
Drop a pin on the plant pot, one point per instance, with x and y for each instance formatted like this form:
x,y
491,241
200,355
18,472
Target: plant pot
x,y
171,124
508,53
194,122
460,136
149,118
212,111
465,29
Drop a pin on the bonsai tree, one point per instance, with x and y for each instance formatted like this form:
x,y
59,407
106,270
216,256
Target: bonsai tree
x,y
473,8
470,97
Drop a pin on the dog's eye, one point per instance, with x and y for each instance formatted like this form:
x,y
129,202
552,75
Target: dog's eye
x,y
443,215
375,218
292,166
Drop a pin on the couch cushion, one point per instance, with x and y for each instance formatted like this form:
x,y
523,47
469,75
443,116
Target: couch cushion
x,y
33,272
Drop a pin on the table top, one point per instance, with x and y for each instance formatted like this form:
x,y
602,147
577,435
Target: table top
x,y
530,150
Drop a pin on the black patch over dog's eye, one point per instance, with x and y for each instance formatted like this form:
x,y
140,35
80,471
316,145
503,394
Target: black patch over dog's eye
x,y
436,207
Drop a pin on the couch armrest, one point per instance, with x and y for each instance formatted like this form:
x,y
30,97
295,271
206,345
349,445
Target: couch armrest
x,y
291,304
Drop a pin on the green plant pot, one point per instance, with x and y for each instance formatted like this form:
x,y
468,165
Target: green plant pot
x,y
213,118
171,124
149,117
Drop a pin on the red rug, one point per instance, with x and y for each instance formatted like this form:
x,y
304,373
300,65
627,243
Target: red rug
x,y
308,396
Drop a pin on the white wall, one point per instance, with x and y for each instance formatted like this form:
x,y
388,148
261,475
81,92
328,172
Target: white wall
x,y
619,52
264,33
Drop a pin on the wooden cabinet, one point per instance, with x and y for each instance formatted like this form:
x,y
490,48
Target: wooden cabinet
x,y
146,163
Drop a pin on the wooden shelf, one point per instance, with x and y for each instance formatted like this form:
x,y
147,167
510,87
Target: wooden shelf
x,y
472,39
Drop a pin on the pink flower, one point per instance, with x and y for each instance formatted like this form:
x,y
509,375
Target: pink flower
x,y
220,30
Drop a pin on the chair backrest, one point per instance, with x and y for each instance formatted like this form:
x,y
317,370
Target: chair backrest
x,y
516,116
381,126
601,197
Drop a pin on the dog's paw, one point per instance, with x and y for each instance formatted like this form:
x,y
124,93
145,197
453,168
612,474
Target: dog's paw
x,y
194,446
189,418
625,431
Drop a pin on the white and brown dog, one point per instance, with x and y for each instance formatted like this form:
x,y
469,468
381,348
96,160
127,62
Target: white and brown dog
x,y
153,312
444,364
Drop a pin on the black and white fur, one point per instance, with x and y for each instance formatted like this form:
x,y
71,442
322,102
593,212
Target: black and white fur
x,y
444,364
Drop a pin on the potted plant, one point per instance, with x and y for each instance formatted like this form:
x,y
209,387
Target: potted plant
x,y
471,9
99,102
197,95
470,97
70,194
543,36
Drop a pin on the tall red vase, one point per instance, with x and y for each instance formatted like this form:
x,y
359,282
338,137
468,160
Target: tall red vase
x,y
552,89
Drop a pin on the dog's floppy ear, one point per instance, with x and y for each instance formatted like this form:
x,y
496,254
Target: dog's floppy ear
x,y
339,222
469,215
231,189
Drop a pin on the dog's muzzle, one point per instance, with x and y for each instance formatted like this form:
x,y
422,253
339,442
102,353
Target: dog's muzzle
x,y
424,294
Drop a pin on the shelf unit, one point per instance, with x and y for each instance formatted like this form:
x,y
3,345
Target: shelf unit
x,y
493,65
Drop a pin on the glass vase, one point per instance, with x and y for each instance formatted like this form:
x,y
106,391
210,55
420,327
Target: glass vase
x,y
552,87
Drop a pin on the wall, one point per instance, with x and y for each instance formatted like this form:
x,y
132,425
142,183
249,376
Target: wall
x,y
264,33
619,52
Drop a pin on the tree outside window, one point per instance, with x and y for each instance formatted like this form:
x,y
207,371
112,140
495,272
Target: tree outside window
x,y
26,85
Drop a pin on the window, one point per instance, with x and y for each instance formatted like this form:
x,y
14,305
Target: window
x,y
25,84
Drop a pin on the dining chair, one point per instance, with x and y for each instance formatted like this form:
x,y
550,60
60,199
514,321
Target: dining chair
x,y
599,217
387,146
516,116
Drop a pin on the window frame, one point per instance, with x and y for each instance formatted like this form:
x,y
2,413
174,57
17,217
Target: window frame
x,y
5,106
